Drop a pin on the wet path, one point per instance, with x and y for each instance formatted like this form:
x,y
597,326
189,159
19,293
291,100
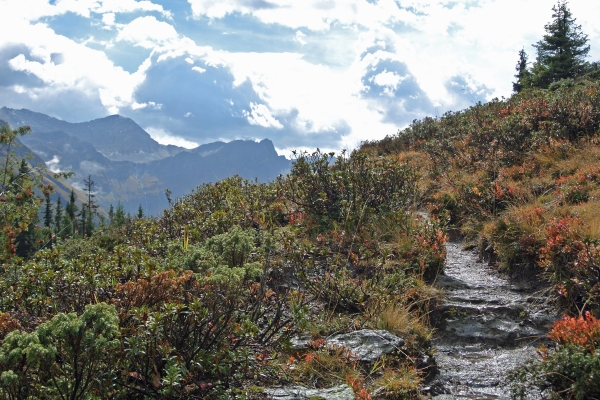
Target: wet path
x,y
487,327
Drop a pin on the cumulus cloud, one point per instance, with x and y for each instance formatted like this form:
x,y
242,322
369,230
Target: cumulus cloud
x,y
81,68
33,10
315,16
148,32
108,19
300,38
150,104
389,81
260,115
164,137
368,68
128,6
53,164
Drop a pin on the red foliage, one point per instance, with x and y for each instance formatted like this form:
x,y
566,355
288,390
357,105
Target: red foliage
x,y
581,331
359,388
8,324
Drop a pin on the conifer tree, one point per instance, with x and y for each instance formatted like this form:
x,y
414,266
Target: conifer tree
x,y
71,213
58,215
48,212
140,213
111,215
523,75
83,221
92,207
561,53
119,215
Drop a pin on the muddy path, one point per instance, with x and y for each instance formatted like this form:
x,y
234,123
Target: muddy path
x,y
486,326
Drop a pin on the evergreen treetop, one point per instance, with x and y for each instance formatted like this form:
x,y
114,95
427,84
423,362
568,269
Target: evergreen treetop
x,y
562,51
523,75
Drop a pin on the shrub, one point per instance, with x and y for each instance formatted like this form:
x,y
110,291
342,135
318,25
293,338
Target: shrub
x,y
571,261
68,357
583,331
570,371
347,191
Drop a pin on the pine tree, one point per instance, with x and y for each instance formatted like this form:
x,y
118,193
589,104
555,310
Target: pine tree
x,y
71,213
119,215
48,212
58,215
83,221
101,221
92,207
22,175
561,53
111,215
523,75
140,213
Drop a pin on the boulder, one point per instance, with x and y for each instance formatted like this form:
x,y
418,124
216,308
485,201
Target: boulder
x,y
368,345
342,392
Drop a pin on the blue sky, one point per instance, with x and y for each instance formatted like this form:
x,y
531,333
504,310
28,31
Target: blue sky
x,y
305,74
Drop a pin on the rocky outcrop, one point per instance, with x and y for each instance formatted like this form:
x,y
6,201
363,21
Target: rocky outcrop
x,y
342,392
367,345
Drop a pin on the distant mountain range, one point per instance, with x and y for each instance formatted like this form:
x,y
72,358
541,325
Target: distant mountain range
x,y
129,166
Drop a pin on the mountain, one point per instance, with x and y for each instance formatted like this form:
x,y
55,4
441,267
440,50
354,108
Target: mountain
x,y
106,150
246,158
116,137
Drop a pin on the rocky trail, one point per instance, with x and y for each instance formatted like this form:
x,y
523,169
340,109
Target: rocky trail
x,y
486,326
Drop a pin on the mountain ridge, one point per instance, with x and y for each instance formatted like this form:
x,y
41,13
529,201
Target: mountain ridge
x,y
125,178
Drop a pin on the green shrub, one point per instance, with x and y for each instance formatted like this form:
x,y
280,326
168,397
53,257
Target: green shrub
x,y
68,357
347,192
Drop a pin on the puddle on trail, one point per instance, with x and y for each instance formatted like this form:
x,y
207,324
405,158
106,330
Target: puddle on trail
x,y
488,326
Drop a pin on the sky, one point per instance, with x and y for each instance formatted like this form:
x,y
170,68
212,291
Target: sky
x,y
303,73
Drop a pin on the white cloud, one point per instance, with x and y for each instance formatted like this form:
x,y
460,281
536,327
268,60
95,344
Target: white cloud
x,y
128,6
310,93
33,10
81,68
148,32
53,164
164,137
152,105
314,15
388,80
108,19
260,115
300,38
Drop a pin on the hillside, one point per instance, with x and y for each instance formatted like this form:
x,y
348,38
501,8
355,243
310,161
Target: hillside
x,y
240,290
519,178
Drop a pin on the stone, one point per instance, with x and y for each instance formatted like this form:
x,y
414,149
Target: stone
x,y
342,392
368,345
300,342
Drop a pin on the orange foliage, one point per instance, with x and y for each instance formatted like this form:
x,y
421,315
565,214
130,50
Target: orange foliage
x,y
158,289
583,331
8,324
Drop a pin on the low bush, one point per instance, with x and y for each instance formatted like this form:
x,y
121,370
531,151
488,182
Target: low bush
x,y
569,371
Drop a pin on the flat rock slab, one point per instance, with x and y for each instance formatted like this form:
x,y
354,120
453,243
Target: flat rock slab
x,y
368,345
342,392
